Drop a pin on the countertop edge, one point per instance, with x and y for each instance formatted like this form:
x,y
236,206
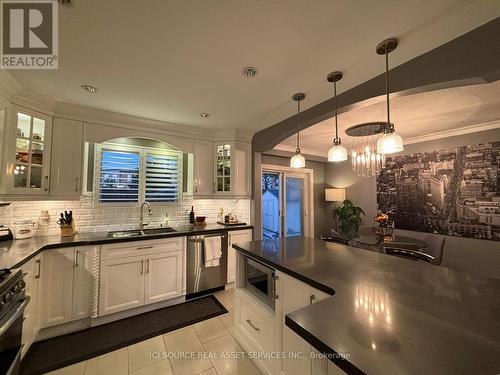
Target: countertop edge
x,y
298,276
324,349
103,241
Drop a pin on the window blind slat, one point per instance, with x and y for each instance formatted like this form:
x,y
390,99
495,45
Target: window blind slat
x,y
119,176
162,178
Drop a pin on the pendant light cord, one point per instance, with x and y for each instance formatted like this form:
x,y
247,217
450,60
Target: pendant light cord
x,y
336,123
298,125
387,85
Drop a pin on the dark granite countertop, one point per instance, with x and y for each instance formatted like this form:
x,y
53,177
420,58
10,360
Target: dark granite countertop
x,y
14,253
390,315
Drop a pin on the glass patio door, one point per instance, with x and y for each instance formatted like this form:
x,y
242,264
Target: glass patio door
x,y
283,204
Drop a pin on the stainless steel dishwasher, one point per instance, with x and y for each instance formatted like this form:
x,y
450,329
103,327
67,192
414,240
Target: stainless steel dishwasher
x,y
200,279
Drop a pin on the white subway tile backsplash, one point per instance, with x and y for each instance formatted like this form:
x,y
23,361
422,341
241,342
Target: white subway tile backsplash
x,y
91,218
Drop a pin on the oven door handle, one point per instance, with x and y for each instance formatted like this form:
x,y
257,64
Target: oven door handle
x,y
17,313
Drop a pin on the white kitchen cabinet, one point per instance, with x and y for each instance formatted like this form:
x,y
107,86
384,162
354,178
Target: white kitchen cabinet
x,y
31,325
66,159
27,152
83,282
57,287
163,276
232,168
134,274
121,284
203,168
66,282
235,237
294,295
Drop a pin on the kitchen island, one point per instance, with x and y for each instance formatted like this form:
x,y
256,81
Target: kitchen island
x,y
388,315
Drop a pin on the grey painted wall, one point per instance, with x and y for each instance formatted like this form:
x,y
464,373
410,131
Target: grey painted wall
x,y
362,191
321,220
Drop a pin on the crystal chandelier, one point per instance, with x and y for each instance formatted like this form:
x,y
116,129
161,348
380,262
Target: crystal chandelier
x,y
366,161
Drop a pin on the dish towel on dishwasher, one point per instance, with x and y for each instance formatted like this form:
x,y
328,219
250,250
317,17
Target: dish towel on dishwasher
x,y
213,251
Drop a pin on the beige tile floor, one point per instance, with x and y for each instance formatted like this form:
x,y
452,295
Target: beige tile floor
x,y
209,337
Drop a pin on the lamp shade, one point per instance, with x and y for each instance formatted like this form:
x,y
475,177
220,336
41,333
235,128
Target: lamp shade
x,y
297,161
334,195
390,143
337,153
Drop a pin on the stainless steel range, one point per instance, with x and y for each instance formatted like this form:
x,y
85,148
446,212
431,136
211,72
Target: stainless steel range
x,y
13,301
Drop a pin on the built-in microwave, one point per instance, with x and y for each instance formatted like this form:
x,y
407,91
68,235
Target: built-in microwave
x,y
260,280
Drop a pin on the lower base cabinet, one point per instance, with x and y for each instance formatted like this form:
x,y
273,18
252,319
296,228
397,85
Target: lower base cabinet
x,y
139,273
235,236
31,324
66,285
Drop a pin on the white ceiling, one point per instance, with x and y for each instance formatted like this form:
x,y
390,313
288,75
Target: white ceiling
x,y
416,117
170,60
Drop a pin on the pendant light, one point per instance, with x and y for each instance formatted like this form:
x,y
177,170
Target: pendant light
x,y
390,142
297,160
337,152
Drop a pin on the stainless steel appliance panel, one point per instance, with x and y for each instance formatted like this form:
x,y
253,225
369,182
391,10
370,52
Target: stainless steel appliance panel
x,y
200,278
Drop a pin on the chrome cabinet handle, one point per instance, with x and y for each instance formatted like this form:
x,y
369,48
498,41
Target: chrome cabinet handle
x,y
142,267
39,262
252,325
77,179
145,247
147,265
46,183
312,297
77,255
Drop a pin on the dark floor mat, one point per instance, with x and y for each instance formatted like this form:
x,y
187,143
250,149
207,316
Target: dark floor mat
x,y
57,352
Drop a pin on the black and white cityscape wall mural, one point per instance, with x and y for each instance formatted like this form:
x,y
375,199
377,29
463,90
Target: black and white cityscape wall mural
x,y
449,191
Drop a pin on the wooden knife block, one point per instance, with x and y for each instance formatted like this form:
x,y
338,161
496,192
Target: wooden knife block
x,y
68,230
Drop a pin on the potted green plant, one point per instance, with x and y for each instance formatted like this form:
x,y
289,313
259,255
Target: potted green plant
x,y
348,218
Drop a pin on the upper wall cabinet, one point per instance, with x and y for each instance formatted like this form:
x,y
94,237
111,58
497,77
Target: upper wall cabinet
x,y
27,147
66,166
232,168
203,167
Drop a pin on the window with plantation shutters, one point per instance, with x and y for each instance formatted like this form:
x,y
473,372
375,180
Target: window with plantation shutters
x,y
119,176
135,174
162,177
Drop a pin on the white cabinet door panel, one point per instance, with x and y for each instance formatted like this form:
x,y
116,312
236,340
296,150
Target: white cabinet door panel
x,y
203,168
82,282
66,167
57,286
121,285
235,237
163,276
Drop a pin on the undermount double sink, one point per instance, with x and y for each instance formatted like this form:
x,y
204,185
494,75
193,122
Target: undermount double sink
x,y
140,232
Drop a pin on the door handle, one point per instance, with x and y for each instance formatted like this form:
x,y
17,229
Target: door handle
x,y
46,183
312,297
252,325
147,265
39,262
145,247
77,255
141,271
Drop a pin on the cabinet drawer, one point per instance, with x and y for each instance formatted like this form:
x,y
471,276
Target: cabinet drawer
x,y
139,248
256,324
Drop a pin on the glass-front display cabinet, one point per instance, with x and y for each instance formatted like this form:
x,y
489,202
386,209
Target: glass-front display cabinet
x,y
223,167
27,152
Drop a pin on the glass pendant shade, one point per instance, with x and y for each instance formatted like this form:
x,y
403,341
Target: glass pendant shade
x,y
297,160
337,153
390,143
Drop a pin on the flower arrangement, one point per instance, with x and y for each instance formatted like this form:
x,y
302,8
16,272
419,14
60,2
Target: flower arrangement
x,y
385,228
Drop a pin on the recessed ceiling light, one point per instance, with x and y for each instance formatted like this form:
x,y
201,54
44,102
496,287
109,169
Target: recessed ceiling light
x,y
249,71
89,88
204,114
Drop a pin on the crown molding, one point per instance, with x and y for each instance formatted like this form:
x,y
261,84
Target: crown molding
x,y
8,85
454,132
